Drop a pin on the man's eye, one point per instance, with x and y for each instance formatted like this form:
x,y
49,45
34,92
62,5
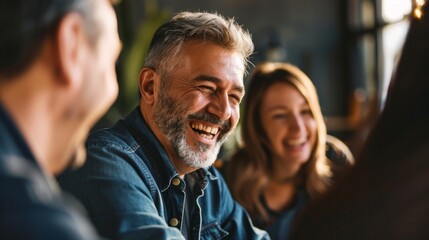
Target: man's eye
x,y
207,89
236,98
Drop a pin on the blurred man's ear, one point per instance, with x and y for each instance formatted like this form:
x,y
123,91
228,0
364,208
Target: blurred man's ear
x,y
149,85
72,46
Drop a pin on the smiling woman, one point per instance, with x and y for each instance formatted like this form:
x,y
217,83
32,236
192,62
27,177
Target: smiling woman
x,y
385,195
286,156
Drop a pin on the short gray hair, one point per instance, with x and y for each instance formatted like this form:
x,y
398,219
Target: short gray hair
x,y
169,39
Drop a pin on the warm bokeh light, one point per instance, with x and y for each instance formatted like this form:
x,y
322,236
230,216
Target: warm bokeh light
x,y
395,10
418,11
420,2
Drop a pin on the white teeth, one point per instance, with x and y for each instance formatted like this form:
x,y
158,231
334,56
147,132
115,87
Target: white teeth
x,y
207,129
214,130
206,136
296,142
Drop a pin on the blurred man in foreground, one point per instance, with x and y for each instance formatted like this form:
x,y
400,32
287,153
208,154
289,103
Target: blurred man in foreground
x,y
57,78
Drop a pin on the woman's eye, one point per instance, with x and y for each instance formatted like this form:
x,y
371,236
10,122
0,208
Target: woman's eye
x,y
280,116
306,112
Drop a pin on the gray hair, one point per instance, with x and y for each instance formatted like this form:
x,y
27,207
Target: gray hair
x,y
169,39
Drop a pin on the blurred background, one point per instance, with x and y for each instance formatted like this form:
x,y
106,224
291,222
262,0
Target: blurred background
x,y
349,49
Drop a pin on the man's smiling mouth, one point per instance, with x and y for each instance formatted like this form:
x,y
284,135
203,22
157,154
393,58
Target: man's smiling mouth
x,y
204,130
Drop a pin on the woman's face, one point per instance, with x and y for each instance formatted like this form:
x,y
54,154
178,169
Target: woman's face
x,y
290,127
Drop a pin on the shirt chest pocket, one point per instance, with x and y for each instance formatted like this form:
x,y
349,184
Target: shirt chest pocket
x,y
213,231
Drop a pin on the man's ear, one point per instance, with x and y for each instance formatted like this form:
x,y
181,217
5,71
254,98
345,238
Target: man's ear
x,y
149,85
72,46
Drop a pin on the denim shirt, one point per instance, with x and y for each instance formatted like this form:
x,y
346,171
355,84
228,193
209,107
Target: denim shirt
x,y
132,191
31,205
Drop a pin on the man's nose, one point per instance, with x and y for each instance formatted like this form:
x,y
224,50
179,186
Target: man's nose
x,y
220,106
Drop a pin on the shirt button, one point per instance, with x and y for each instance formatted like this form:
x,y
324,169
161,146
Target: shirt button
x,y
174,222
175,181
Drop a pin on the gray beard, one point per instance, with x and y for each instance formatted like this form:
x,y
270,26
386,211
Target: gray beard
x,y
171,118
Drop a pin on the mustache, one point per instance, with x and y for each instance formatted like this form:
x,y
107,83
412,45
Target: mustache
x,y
211,118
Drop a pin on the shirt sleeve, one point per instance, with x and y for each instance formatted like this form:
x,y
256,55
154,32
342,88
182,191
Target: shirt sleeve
x,y
118,200
31,209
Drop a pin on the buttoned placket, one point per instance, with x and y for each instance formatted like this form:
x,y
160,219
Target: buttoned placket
x,y
176,217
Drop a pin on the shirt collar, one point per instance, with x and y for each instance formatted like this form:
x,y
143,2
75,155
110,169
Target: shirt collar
x,y
12,142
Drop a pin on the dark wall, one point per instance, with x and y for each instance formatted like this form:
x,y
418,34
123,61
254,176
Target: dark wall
x,y
309,32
